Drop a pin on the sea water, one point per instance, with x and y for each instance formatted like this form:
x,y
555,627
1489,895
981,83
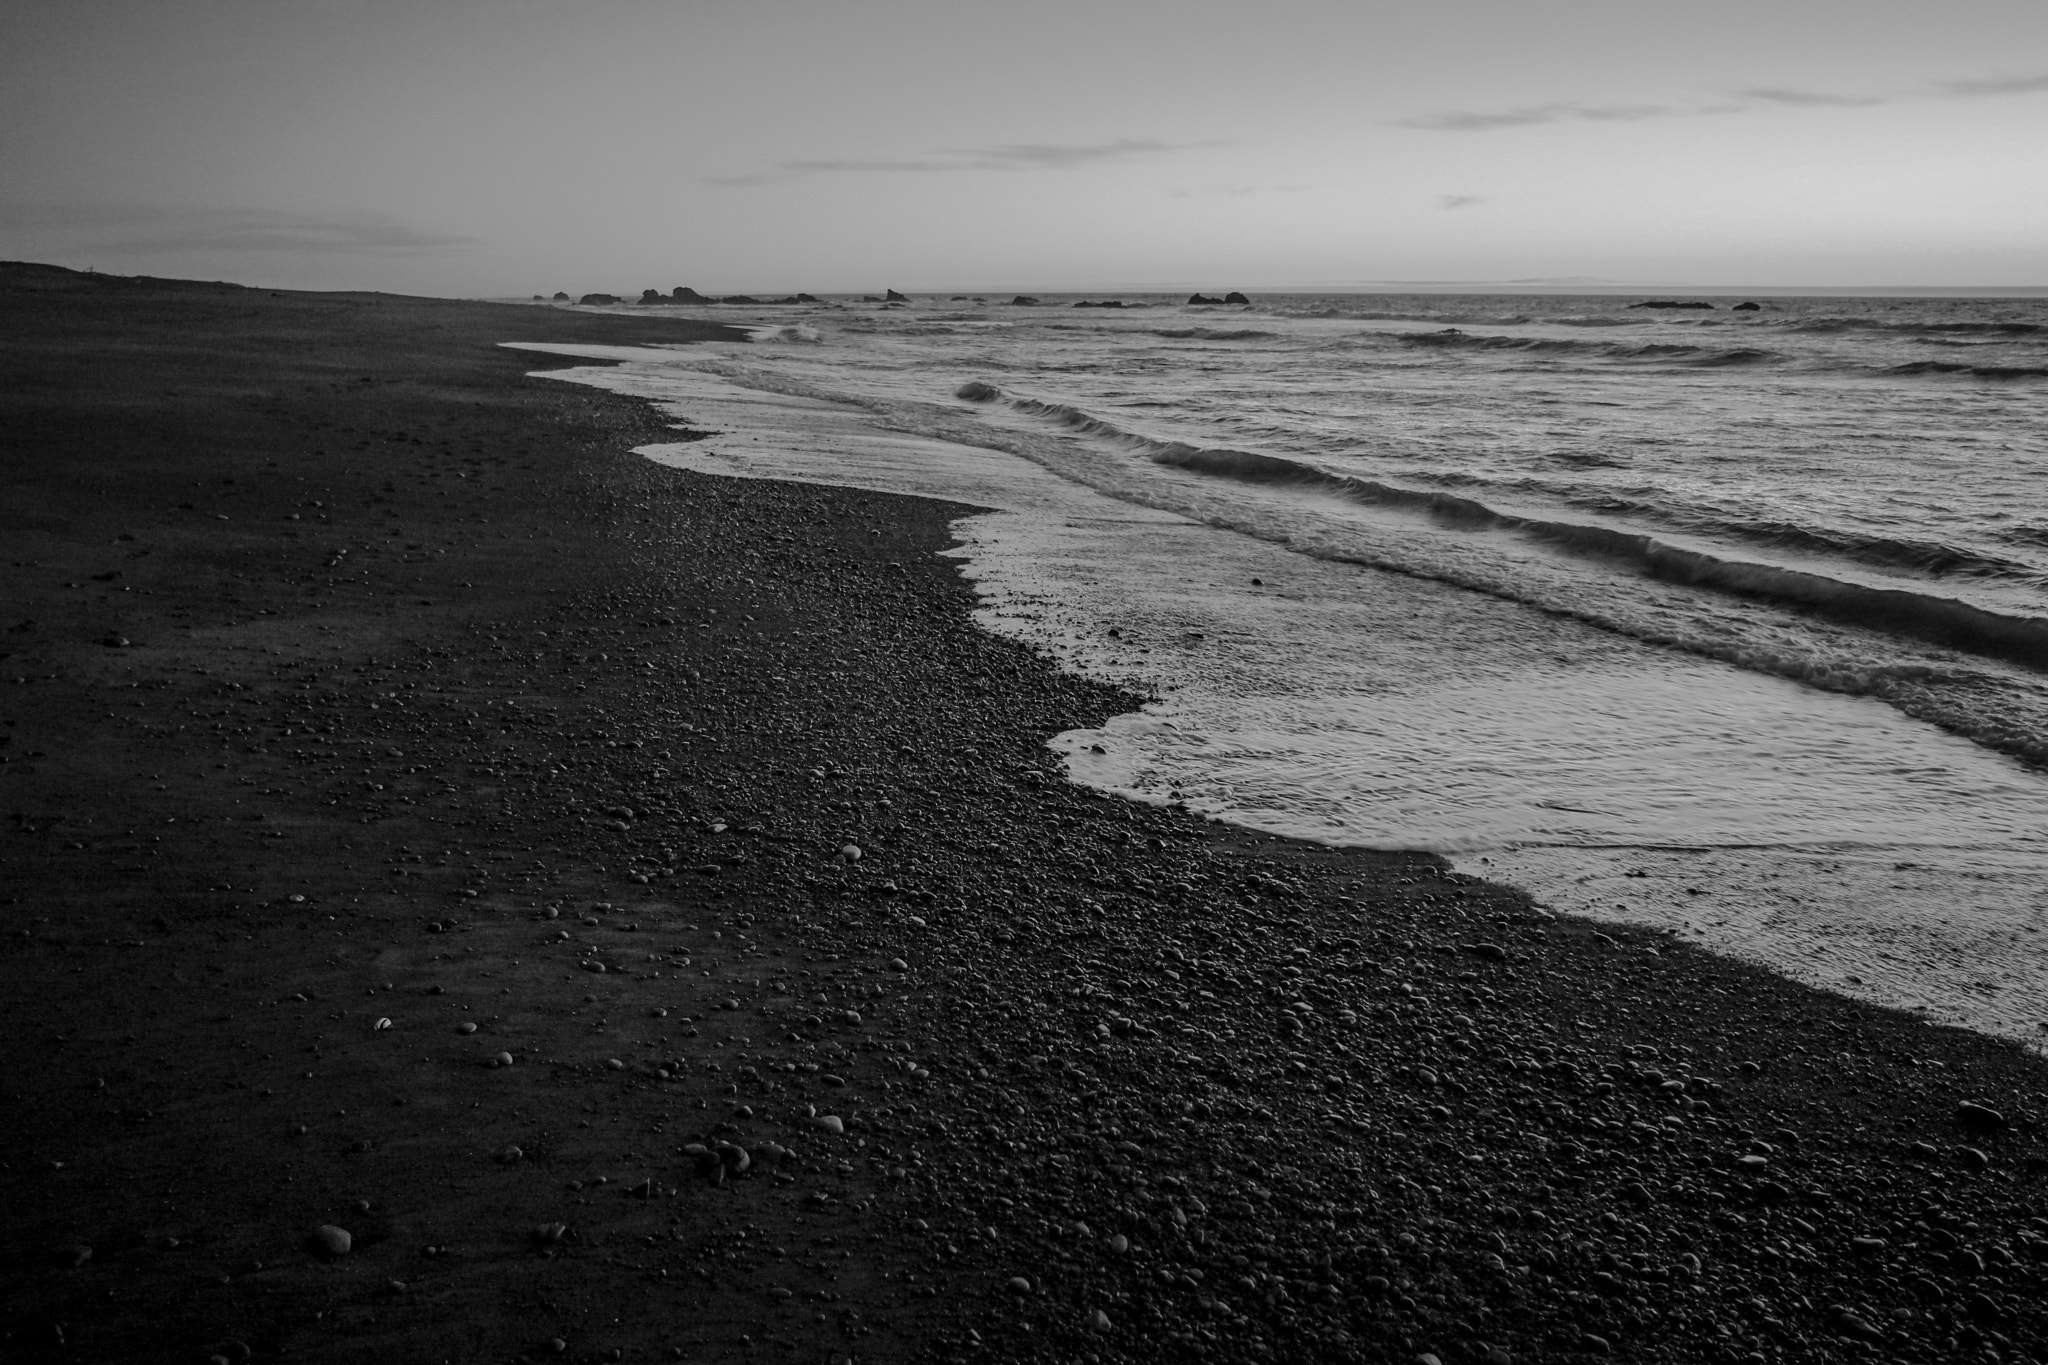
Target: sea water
x,y
1730,623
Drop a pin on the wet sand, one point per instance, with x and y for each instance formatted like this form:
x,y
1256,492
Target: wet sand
x,y
350,676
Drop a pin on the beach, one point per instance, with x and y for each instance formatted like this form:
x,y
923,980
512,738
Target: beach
x,y
641,910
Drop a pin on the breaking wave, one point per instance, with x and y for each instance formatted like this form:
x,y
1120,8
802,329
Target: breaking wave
x,y
1895,611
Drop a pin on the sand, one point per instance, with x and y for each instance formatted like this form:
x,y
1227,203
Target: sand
x,y
358,689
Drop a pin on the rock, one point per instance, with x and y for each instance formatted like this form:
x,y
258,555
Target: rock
x,y
510,1155
500,1059
114,640
72,1256
734,1157
1023,301
897,964
561,297
465,1028
1235,297
831,1123
599,298
1979,1118
549,1233
974,391
849,853
1119,1244
1674,303
650,296
614,1064
1098,1321
1202,300
893,297
1747,308
1851,1324
685,294
1020,1284
329,1241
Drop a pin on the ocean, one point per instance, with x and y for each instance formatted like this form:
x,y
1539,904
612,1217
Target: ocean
x,y
1729,623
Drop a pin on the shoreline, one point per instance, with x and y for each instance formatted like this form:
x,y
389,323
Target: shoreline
x,y
1532,1134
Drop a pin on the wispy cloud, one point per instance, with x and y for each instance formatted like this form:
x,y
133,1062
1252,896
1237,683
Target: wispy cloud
x,y
1235,191
1003,156
135,227
1480,121
1808,99
1459,201
1994,85
1742,101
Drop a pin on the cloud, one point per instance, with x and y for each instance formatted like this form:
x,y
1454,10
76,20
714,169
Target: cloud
x,y
1480,121
1236,191
1745,101
1005,156
1459,201
1809,99
1994,85
135,227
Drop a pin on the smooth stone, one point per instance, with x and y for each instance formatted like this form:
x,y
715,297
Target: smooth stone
x,y
502,1059
831,1123
329,1240
465,1028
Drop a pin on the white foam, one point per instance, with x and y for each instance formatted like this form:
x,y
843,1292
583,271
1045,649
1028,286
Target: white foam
x,y
1353,706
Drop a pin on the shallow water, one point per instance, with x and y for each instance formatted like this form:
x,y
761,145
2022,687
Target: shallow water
x,y
1354,674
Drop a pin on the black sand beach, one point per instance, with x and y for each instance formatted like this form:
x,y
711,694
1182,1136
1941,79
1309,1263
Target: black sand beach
x,y
357,689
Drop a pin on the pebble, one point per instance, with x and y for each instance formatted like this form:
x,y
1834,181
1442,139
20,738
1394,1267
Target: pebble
x,y
831,1123
897,964
1119,1244
510,1155
329,1240
465,1028
550,1232
1981,1117
1020,1284
1098,1321
501,1059
849,853
614,1064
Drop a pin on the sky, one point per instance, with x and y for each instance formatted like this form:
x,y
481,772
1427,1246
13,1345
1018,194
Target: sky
x,y
509,147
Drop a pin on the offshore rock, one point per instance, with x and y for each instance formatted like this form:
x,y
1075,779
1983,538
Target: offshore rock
x,y
1234,297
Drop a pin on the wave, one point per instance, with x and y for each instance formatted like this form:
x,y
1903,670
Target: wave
x,y
1210,333
1896,611
1695,356
785,332
1828,326
1709,356
2008,372
1932,558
